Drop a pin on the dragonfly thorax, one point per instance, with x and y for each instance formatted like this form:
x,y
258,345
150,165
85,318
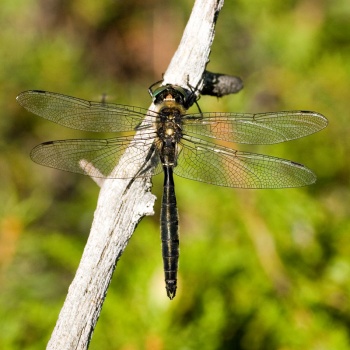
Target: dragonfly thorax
x,y
169,131
169,127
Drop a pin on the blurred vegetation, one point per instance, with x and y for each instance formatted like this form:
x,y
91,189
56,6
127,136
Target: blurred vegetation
x,y
266,269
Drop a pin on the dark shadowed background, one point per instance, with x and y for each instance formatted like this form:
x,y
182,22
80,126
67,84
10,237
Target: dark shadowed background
x,y
259,269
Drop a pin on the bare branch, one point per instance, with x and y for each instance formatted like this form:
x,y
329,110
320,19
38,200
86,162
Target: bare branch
x,y
90,169
188,64
122,203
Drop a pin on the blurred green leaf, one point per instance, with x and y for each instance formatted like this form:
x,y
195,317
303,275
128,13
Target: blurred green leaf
x,y
262,269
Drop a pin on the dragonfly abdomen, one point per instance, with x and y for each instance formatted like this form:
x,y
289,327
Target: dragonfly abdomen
x,y
169,224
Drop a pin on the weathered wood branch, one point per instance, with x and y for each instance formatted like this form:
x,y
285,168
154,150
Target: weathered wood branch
x,y
122,203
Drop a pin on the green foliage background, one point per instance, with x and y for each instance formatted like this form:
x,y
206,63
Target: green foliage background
x,y
266,269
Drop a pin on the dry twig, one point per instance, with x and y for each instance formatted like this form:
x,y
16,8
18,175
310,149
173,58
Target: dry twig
x,y
121,205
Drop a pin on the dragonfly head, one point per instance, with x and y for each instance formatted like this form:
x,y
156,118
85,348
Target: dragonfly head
x,y
177,94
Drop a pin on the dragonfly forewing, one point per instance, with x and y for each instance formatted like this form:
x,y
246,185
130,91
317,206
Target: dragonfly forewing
x,y
261,128
80,114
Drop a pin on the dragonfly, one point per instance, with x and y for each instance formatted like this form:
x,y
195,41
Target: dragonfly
x,y
169,139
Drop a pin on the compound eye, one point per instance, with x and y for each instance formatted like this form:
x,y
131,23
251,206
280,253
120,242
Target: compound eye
x,y
179,99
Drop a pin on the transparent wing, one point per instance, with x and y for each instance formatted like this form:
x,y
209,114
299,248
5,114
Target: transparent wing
x,y
261,128
80,114
98,158
202,161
